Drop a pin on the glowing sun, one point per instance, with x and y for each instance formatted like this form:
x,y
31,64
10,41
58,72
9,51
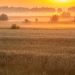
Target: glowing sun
x,y
62,1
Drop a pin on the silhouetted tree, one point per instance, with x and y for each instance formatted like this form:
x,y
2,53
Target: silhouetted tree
x,y
74,19
36,20
3,17
71,9
59,10
26,21
54,18
14,26
66,14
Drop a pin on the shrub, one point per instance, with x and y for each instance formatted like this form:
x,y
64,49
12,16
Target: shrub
x,y
3,17
36,19
26,21
14,26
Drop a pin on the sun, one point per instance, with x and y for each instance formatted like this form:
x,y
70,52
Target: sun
x,y
62,1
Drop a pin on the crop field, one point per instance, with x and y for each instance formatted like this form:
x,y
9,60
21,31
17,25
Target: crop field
x,y
37,52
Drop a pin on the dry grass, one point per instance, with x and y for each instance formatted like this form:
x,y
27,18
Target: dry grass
x,y
37,52
39,45
30,64
38,56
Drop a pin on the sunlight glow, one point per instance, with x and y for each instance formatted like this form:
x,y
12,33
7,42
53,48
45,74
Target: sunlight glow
x,y
62,1
37,3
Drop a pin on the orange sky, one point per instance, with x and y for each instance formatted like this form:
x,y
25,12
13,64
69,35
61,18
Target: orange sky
x,y
35,3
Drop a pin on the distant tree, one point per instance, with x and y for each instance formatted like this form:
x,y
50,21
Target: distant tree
x,y
74,19
14,26
26,21
3,17
54,18
66,14
36,19
59,10
71,9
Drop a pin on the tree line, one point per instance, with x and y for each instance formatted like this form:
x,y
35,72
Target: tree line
x,y
53,18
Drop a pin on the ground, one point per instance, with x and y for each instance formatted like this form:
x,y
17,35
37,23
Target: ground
x,y
37,52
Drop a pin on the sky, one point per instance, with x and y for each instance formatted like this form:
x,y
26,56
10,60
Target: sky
x,y
38,3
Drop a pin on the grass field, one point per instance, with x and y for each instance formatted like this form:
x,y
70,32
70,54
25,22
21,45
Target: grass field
x,y
31,64
37,52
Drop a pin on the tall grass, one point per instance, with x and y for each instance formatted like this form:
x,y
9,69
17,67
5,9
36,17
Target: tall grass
x,y
31,64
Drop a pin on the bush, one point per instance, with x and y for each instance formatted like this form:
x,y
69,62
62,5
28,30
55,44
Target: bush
x,y
3,17
36,19
14,26
26,21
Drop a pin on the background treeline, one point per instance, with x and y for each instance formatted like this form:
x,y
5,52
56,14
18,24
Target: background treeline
x,y
22,9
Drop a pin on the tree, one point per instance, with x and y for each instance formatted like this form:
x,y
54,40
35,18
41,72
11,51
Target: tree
x,y
36,20
59,10
26,21
66,14
54,18
74,19
14,26
3,17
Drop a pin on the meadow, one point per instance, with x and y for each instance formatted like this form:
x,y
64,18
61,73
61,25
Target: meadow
x,y
37,48
37,51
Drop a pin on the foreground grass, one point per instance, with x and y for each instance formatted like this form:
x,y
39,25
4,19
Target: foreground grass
x,y
38,45
30,64
40,56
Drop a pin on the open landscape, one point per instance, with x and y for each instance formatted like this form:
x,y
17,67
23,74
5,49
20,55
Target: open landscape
x,y
37,51
37,37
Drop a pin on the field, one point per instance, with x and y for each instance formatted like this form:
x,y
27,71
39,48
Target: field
x,y
37,48
37,52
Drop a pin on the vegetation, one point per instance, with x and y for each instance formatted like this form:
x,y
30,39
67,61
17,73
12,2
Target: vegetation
x,y
74,19
66,14
30,64
54,18
59,10
36,19
3,17
14,26
36,56
26,21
